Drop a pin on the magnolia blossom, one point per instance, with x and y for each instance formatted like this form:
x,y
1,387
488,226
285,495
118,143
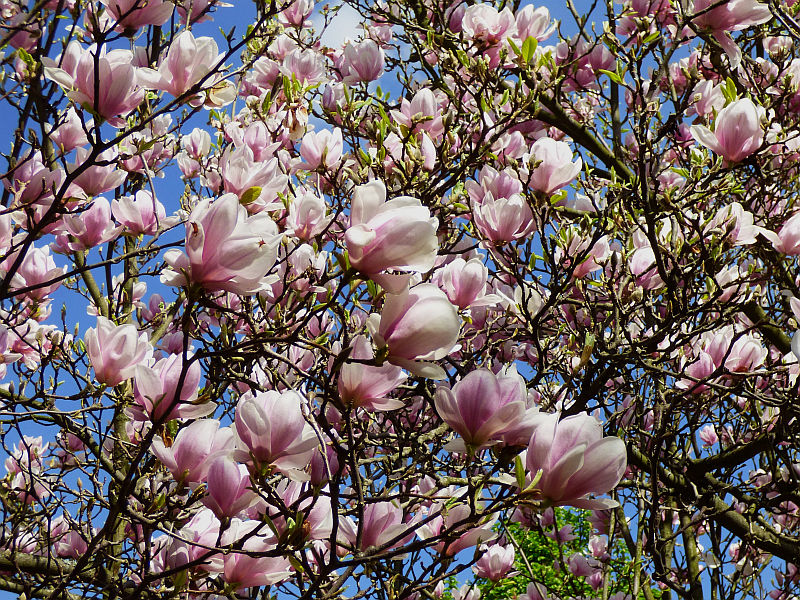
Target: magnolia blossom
x,y
417,324
733,15
110,89
37,271
194,449
229,487
307,216
422,113
322,148
737,131
88,228
575,460
504,219
484,23
271,430
102,176
464,282
366,385
190,61
168,390
115,351
480,407
383,525
362,61
398,234
495,563
534,22
225,248
787,240
552,166
133,14
451,515
140,213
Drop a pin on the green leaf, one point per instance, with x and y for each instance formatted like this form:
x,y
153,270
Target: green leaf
x,y
250,196
26,58
651,38
529,48
519,471
729,90
611,75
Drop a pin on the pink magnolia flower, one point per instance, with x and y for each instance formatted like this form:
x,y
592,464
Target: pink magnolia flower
x,y
485,24
322,148
535,23
468,591
737,224
68,541
398,234
27,456
37,270
642,264
480,407
366,385
242,173
188,62
737,131
417,324
708,435
168,390
503,219
200,9
192,544
115,350
111,90
575,460
194,449
307,216
362,62
746,355
456,520
383,523
141,214
102,176
552,165
464,282
313,511
88,228
306,66
581,566
229,487
535,591
707,97
297,13
226,250
70,133
421,114
252,566
495,563
31,181
787,240
573,245
502,184
701,367
732,15
272,430
133,14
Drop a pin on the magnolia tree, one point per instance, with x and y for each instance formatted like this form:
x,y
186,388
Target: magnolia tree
x,y
270,330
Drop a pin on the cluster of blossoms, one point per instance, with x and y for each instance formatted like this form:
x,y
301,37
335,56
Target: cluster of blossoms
x,y
326,339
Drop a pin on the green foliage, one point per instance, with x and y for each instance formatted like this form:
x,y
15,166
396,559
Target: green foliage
x,y
545,561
